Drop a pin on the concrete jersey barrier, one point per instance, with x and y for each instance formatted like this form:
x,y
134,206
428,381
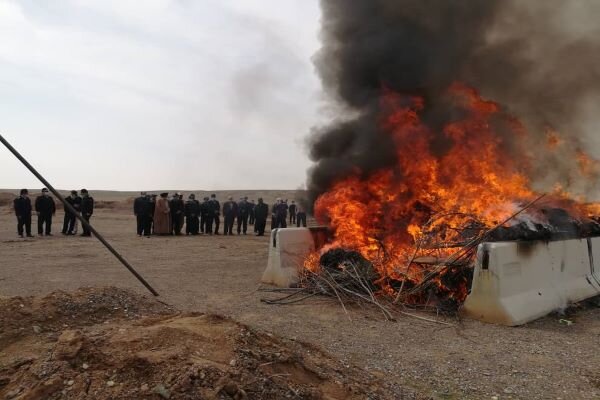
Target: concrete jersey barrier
x,y
518,282
288,248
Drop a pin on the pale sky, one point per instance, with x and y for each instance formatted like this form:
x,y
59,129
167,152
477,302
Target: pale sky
x,y
180,94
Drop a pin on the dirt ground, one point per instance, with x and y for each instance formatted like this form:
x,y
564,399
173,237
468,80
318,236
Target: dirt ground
x,y
109,343
221,275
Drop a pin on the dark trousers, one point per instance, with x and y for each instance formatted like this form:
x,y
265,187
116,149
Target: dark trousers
x,y
68,223
242,224
202,223
301,221
143,225
292,219
86,231
45,219
24,224
228,220
208,225
177,223
192,225
281,221
260,225
217,221
251,219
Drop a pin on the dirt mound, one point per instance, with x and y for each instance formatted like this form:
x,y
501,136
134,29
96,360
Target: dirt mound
x,y
114,344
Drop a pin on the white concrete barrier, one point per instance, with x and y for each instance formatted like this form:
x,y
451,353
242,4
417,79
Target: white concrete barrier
x,y
288,248
594,244
518,282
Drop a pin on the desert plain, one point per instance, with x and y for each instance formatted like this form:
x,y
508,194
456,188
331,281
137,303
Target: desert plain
x,y
546,359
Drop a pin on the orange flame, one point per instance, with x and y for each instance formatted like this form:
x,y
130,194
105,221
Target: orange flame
x,y
383,215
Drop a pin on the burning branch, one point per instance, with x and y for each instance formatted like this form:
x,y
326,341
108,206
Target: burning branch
x,y
467,251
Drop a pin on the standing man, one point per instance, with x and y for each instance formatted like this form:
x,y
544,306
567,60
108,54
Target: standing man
x,y
230,211
152,209
261,212
182,215
22,205
138,205
251,213
204,210
45,209
142,210
192,214
215,210
210,218
293,213
162,215
177,213
280,211
284,214
274,213
243,214
301,218
87,210
69,221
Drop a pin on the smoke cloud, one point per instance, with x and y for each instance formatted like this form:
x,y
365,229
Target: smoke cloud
x,y
540,61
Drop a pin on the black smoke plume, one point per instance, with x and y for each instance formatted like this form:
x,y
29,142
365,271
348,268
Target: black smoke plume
x,y
540,61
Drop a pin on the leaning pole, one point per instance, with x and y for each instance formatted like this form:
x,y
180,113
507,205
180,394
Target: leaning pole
x,y
79,217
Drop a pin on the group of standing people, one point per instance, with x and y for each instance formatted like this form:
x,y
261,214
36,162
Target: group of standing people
x,y
280,211
161,215
45,209
164,215
84,205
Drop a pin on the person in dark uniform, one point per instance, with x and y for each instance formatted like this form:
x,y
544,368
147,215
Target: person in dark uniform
x,y
209,219
215,212
69,221
192,215
292,210
274,213
177,207
204,211
22,205
87,210
45,209
261,212
138,205
142,209
301,218
182,215
152,209
230,211
251,218
242,215
281,214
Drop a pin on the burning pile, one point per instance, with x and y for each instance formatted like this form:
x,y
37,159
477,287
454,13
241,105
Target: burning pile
x,y
424,168
430,210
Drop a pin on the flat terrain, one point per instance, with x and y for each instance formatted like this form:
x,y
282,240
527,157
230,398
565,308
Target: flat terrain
x,y
543,360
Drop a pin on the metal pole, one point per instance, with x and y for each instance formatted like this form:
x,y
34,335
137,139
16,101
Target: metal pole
x,y
78,216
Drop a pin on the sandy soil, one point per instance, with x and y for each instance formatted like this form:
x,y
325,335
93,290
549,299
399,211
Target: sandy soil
x,y
109,343
221,275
